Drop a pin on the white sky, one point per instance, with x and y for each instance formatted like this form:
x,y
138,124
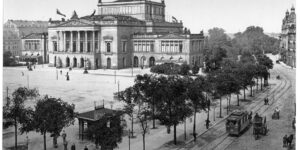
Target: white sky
x,y
231,15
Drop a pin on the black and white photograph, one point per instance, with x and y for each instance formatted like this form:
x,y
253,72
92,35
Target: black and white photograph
x,y
148,74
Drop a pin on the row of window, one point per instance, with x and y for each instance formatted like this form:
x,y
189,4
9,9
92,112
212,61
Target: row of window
x,y
32,45
171,46
143,46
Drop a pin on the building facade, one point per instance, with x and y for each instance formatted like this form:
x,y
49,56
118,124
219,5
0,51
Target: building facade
x,y
15,30
122,32
35,48
288,38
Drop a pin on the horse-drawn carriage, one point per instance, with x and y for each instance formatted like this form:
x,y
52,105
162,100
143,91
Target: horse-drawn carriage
x,y
259,126
237,122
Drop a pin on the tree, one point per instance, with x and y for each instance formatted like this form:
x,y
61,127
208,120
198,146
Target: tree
x,y
52,115
143,115
129,96
15,112
148,85
195,69
8,59
172,109
184,69
107,131
198,102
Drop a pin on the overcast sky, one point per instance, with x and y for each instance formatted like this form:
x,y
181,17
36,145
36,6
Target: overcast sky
x,y
231,15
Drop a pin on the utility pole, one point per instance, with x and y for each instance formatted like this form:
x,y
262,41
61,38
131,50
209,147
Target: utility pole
x,y
129,138
7,91
115,76
27,81
118,87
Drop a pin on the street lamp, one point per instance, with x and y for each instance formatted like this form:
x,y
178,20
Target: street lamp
x,y
129,138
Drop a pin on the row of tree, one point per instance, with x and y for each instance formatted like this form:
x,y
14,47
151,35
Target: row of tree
x,y
175,92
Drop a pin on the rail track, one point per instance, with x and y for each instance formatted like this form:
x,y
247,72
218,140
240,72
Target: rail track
x,y
221,139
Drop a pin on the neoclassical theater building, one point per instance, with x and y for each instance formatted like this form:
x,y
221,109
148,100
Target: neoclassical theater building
x,y
123,34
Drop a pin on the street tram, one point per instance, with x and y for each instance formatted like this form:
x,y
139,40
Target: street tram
x,y
237,122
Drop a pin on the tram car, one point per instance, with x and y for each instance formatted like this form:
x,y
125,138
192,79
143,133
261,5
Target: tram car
x,y
259,126
237,122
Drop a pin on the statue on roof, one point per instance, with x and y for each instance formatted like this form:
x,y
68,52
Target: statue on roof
x,y
74,16
59,13
93,14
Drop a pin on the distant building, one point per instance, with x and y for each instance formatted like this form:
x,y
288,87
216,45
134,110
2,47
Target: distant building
x,y
34,48
124,33
288,38
15,30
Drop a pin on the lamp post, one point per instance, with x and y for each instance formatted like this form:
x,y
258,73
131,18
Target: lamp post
x,y
129,139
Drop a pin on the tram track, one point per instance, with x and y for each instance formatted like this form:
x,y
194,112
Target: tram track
x,y
228,140
223,140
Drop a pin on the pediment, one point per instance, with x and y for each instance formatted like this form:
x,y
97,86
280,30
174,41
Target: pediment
x,y
172,36
74,23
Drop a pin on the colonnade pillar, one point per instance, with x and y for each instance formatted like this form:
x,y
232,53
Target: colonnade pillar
x,y
78,41
71,41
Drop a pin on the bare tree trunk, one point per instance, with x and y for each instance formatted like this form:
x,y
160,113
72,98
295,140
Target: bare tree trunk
x,y
251,90
132,126
194,127
44,140
16,134
153,115
175,138
238,100
144,141
220,107
229,101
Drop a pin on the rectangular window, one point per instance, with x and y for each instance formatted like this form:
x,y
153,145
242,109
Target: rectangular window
x,y
96,45
67,45
74,46
135,46
124,45
152,46
180,47
147,46
54,46
140,46
81,47
88,46
167,46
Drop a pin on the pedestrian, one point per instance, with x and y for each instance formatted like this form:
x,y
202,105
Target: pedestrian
x,y
60,72
284,140
67,76
66,145
22,73
207,124
64,135
27,142
85,148
73,147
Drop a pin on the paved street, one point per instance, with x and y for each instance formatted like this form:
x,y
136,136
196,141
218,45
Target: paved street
x,y
284,98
